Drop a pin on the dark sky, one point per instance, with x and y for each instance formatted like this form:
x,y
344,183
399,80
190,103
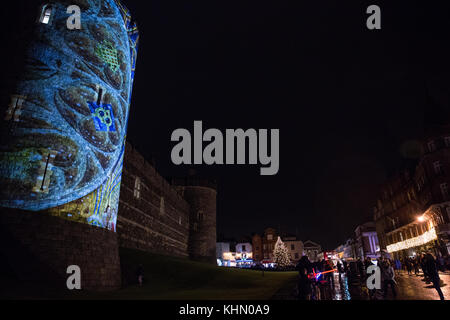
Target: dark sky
x,y
344,98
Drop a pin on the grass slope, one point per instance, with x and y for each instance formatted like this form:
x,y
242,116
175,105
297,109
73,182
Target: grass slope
x,y
175,278
165,278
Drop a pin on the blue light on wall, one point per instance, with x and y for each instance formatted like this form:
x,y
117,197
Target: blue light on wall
x,y
68,117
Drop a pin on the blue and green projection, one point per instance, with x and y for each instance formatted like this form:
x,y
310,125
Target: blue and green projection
x,y
66,123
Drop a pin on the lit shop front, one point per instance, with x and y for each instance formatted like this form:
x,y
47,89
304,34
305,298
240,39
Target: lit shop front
x,y
267,263
422,235
237,259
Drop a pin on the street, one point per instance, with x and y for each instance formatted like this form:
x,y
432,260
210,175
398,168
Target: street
x,y
412,287
409,287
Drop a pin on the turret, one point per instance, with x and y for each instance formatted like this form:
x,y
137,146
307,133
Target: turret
x,y
201,195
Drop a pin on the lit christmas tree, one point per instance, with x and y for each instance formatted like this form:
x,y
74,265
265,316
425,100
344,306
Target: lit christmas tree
x,y
281,254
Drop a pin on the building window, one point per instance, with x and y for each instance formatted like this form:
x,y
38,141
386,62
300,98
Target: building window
x,y
393,223
401,236
437,167
444,189
269,237
431,146
448,212
45,172
394,205
137,188
46,13
162,206
199,215
292,247
15,108
243,247
296,255
195,227
447,141
179,221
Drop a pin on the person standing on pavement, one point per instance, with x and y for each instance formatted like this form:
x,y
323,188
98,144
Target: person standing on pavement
x,y
388,278
329,267
398,265
339,267
345,266
360,269
416,266
304,268
367,263
433,274
140,274
408,266
424,267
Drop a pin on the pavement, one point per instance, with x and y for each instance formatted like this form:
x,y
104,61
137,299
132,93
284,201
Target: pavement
x,y
412,287
409,287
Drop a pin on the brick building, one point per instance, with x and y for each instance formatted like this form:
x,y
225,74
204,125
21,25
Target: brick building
x,y
263,245
413,212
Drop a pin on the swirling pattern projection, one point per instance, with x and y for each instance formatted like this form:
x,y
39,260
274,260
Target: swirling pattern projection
x,y
65,126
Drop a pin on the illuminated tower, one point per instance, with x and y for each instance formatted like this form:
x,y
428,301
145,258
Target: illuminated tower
x,y
63,139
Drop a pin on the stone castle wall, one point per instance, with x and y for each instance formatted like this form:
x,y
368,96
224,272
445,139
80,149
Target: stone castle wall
x,y
39,248
171,219
153,216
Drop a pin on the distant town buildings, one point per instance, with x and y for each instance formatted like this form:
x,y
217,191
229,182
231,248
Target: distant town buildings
x,y
294,246
312,250
349,249
411,215
265,244
366,241
242,257
363,244
259,251
221,248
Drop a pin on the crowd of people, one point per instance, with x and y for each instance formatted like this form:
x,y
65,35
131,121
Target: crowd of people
x,y
308,283
314,275
413,264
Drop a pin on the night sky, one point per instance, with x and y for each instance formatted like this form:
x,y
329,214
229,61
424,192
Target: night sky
x,y
348,101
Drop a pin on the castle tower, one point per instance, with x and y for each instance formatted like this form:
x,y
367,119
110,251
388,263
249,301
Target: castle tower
x,y
63,140
201,195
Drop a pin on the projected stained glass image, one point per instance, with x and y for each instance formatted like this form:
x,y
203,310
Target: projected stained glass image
x,y
65,126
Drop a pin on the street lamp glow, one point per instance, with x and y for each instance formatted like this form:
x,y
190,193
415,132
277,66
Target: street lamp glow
x,y
421,219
